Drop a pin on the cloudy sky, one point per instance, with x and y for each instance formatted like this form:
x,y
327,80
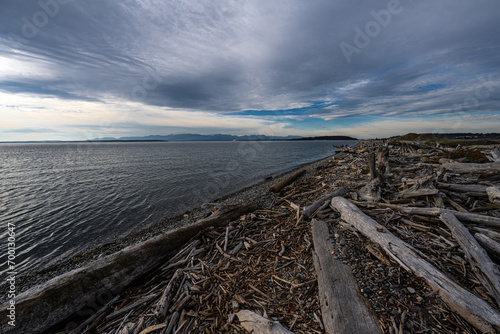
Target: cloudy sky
x,y
83,69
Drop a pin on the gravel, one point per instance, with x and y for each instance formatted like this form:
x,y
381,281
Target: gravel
x,y
257,194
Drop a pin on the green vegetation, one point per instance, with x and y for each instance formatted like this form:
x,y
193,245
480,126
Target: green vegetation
x,y
416,137
445,142
455,143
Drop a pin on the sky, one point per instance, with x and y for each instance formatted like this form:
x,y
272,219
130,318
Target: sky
x,y
85,69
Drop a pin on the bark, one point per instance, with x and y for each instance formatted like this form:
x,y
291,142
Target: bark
x,y
476,311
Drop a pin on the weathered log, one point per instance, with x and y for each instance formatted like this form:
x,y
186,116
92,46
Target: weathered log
x,y
254,323
480,262
280,185
462,187
471,168
342,306
493,194
383,166
309,210
89,321
476,311
371,166
495,154
372,191
418,192
45,305
492,246
489,233
462,216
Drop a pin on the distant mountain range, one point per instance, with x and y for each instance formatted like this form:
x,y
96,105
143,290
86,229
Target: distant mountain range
x,y
217,137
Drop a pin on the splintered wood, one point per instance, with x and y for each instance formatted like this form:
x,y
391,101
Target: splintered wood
x,y
405,242
254,264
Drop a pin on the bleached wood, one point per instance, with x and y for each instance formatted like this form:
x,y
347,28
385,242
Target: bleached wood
x,y
309,210
476,311
256,324
343,308
471,168
479,260
492,246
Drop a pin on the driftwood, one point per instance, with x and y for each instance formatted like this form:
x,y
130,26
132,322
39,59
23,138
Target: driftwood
x,y
372,191
418,192
462,187
383,166
492,246
280,185
343,308
481,264
471,168
462,216
476,311
254,323
309,210
493,194
45,305
372,166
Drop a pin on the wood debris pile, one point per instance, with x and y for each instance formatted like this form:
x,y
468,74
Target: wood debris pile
x,y
415,198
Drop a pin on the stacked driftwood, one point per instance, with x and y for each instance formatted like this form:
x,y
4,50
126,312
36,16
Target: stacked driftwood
x,y
406,225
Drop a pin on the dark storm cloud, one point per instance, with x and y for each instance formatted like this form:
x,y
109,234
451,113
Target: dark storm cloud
x,y
229,56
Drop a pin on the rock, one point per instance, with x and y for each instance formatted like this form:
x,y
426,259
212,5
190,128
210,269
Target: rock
x,y
411,290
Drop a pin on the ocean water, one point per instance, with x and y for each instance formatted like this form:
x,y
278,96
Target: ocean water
x,y
64,198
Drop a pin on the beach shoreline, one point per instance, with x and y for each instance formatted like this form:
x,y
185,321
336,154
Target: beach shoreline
x,y
255,193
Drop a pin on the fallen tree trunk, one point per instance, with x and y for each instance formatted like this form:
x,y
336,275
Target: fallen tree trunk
x,y
309,210
476,311
45,305
280,185
463,187
254,323
462,216
492,246
418,192
471,168
343,308
480,262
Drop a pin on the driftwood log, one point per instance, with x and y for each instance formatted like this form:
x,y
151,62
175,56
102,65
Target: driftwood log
x,y
309,210
480,262
45,305
462,216
256,324
280,185
343,308
476,311
471,168
463,187
492,246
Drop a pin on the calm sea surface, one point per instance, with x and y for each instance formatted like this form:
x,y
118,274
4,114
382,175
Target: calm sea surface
x,y
67,197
